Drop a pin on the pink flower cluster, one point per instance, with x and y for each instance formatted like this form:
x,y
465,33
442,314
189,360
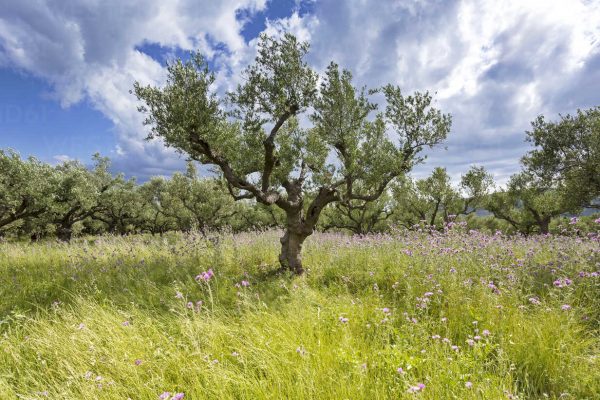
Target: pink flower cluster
x,y
419,387
205,276
562,282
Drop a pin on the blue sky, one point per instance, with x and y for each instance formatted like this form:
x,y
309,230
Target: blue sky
x,y
66,67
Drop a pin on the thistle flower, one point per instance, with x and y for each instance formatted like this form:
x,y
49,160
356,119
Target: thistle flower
x,y
343,320
417,388
205,276
535,300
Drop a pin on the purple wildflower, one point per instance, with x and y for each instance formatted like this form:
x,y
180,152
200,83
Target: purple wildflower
x,y
557,283
485,332
469,384
138,362
565,307
400,371
417,388
205,276
535,300
164,395
343,320
177,396
567,281
245,283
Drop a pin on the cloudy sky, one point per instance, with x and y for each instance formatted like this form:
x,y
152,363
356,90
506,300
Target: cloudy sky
x,y
66,67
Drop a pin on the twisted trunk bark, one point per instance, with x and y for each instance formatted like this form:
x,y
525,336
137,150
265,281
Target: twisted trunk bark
x,y
64,233
291,251
297,230
544,225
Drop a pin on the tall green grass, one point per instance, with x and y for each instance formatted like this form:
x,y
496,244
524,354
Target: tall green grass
x,y
108,318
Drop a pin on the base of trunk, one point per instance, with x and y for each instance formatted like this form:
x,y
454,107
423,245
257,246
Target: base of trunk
x,y
64,234
291,252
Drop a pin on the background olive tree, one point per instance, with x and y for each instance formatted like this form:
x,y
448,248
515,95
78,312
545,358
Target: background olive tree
x,y
567,153
26,189
254,138
434,201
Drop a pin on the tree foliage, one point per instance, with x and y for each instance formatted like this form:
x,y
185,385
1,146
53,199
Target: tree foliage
x,y
254,137
568,153
25,188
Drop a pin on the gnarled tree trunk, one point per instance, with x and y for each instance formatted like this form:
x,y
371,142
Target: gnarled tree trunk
x,y
291,251
544,224
297,230
64,233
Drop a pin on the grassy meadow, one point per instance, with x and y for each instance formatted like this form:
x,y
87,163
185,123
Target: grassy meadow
x,y
444,316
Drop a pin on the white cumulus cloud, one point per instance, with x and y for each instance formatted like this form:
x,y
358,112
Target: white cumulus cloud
x,y
494,65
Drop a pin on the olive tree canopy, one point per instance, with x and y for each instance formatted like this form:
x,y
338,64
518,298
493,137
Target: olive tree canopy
x,y
255,139
567,152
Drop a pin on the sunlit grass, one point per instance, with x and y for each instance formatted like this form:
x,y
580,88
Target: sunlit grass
x,y
467,316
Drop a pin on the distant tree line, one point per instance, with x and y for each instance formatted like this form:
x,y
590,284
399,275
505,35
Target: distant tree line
x,y
560,176
39,200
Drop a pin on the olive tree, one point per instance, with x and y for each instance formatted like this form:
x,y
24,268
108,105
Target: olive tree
x,y
77,194
567,152
359,217
25,188
426,200
119,206
255,139
475,186
204,201
529,203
